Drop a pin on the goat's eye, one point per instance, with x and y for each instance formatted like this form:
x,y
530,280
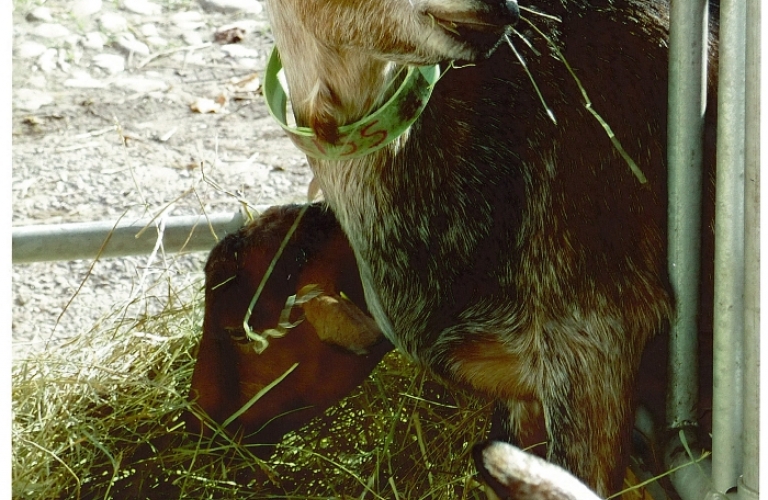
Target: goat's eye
x,y
237,334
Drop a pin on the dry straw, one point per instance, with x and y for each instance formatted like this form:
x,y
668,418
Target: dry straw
x,y
98,417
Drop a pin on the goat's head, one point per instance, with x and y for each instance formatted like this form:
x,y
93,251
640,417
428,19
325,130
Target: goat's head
x,y
338,54
419,32
320,358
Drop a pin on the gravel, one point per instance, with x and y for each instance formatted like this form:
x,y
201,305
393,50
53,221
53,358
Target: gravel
x,y
103,127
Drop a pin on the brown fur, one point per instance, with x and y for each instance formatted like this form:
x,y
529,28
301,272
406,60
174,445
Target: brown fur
x,y
509,254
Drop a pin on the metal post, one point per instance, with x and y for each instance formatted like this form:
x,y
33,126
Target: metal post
x,y
748,484
688,35
104,239
687,105
728,367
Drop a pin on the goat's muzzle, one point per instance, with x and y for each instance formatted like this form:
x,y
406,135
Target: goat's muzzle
x,y
480,16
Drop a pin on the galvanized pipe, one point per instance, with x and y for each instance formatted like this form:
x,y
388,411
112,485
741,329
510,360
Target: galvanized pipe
x,y
104,239
687,105
748,483
728,361
691,481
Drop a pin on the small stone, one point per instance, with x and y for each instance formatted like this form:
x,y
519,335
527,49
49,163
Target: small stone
x,y
190,26
128,43
232,6
84,8
249,63
148,30
40,14
179,96
47,61
190,20
250,83
192,38
82,80
31,99
143,7
113,23
93,40
29,50
157,41
141,85
50,30
111,63
204,105
38,81
239,51
189,16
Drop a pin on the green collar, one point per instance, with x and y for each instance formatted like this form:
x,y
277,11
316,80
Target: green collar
x,y
370,133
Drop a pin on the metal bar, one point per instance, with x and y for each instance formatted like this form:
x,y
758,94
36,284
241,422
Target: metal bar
x,y
687,105
748,484
728,367
691,482
115,239
689,22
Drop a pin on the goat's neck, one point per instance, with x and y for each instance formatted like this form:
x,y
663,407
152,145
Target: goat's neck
x,y
331,87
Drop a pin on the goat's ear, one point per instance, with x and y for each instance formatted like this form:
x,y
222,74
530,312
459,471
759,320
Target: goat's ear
x,y
516,475
324,107
339,321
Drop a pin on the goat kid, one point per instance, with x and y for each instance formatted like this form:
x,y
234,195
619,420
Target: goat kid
x,y
328,344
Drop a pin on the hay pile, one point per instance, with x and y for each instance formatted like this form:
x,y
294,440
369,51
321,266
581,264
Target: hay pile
x,y
99,417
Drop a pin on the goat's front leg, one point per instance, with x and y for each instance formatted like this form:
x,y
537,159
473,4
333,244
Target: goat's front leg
x,y
588,405
581,379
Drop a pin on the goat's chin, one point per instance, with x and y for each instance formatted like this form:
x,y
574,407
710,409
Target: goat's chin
x,y
480,46
466,46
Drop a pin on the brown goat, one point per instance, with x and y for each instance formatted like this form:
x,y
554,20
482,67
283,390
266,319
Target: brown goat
x,y
229,372
509,252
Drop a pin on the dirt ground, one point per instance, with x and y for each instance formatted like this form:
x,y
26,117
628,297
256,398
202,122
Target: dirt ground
x,y
107,123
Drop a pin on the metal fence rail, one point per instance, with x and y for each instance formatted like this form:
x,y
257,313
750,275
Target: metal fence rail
x,y
103,239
